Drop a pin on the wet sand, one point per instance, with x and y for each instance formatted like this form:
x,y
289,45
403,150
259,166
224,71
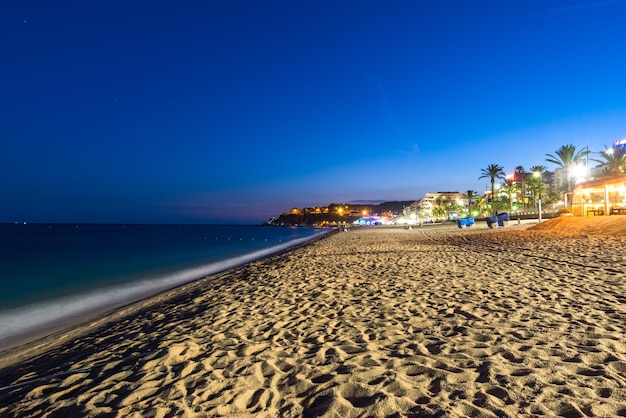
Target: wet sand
x,y
373,322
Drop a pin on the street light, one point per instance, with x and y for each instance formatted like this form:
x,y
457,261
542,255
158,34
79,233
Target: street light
x,y
579,172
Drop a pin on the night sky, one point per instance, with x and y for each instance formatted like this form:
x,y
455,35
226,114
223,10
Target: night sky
x,y
236,111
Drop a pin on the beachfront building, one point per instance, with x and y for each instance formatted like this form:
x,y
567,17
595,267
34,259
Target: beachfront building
x,y
604,196
559,179
549,179
410,213
584,175
435,206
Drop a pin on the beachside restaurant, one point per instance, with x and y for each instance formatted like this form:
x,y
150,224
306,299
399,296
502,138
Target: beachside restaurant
x,y
606,196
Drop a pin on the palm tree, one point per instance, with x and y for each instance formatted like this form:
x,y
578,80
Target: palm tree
x,y
493,172
536,186
520,175
470,195
481,204
500,203
614,161
538,170
439,212
510,188
553,197
451,206
567,158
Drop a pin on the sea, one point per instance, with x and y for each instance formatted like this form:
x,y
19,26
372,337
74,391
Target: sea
x,y
51,274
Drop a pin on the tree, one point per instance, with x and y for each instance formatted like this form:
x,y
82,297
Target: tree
x,y
520,176
535,182
553,198
470,195
614,161
481,203
450,206
500,203
538,170
536,186
510,188
439,212
567,158
493,172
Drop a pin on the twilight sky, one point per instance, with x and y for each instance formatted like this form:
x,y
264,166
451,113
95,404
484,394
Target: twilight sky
x,y
235,111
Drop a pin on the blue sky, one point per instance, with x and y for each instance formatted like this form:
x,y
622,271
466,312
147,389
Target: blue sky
x,y
236,111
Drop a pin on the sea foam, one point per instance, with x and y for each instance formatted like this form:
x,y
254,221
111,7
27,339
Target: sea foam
x,y
32,320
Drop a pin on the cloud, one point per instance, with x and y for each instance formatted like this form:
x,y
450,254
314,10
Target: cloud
x,y
415,149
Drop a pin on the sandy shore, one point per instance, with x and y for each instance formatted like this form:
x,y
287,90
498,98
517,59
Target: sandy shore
x,y
372,322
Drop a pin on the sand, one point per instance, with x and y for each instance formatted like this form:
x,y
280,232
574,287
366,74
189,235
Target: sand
x,y
372,322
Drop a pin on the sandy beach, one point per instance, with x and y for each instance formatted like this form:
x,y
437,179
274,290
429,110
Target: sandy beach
x,y
375,322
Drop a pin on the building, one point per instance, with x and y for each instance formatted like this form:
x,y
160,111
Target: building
x,y
423,208
605,196
559,179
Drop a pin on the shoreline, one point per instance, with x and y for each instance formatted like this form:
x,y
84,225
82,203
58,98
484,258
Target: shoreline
x,y
370,322
30,337
138,292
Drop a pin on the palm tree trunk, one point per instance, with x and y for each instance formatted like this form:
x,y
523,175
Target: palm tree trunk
x,y
493,195
523,194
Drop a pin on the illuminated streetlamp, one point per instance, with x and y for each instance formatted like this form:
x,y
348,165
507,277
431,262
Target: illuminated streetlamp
x,y
579,172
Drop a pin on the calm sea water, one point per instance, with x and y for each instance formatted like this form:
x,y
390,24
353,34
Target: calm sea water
x,y
50,274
